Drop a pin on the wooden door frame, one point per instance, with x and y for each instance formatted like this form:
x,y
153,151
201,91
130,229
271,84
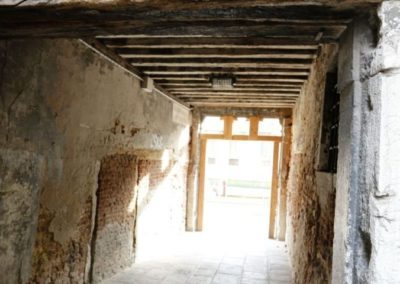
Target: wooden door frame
x,y
227,135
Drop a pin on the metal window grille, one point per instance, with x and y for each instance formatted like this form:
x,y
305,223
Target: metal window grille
x,y
334,134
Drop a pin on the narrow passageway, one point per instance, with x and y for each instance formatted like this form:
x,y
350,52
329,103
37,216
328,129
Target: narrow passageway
x,y
203,258
233,246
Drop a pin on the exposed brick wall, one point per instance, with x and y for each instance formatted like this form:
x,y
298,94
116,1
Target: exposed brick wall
x,y
310,204
115,219
161,201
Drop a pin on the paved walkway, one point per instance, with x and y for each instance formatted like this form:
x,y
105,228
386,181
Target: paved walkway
x,y
200,258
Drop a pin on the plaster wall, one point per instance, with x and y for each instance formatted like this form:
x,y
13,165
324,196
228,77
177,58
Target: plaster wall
x,y
64,108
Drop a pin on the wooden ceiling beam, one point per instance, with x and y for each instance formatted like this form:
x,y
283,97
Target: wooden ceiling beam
x,y
118,41
289,78
61,26
170,5
216,53
89,19
256,100
249,81
234,93
242,105
236,85
227,71
239,97
200,90
225,63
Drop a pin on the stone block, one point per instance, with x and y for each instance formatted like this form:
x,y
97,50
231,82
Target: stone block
x,y
387,54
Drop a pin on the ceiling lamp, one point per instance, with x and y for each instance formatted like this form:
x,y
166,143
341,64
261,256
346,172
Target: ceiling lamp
x,y
222,83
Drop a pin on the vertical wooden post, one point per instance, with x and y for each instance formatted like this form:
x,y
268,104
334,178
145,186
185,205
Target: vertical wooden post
x,y
274,191
228,121
284,176
254,120
201,183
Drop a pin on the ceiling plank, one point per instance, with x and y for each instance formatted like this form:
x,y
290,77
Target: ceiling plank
x,y
117,41
228,63
243,104
233,94
72,19
228,71
199,84
216,53
288,78
184,89
61,27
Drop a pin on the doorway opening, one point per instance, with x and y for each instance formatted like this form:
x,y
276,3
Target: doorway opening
x,y
238,181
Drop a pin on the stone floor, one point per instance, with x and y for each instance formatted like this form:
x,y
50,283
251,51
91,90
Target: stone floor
x,y
202,258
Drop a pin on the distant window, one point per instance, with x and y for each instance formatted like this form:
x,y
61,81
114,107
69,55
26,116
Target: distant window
x,y
234,162
328,152
270,126
211,161
212,125
241,126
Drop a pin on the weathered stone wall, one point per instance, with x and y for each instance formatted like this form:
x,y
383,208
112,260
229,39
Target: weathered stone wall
x,y
64,108
310,202
367,225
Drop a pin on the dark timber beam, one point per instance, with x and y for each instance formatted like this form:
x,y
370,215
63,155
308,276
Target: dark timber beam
x,y
88,18
229,63
197,84
243,104
200,90
173,4
232,94
215,53
208,42
62,27
289,78
248,82
155,71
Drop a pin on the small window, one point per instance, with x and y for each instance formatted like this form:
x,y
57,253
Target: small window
x,y
211,161
241,126
328,147
212,125
270,127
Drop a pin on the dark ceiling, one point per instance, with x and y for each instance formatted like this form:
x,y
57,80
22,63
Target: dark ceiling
x,y
265,50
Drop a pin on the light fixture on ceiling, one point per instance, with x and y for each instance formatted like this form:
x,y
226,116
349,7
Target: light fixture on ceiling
x,y
222,82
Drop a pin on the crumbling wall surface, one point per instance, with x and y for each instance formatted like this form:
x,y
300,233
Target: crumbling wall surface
x,y
63,108
19,190
310,202
113,239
